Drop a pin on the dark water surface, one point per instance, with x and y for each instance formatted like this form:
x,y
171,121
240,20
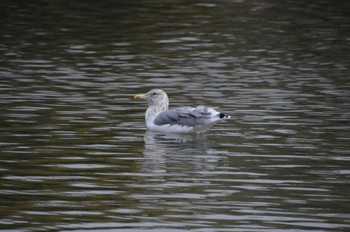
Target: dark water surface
x,y
74,152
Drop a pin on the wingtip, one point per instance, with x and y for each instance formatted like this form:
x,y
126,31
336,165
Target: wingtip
x,y
224,116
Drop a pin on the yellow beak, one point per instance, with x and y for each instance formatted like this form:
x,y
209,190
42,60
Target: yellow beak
x,y
139,96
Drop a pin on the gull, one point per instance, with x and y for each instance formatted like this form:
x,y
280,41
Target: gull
x,y
178,120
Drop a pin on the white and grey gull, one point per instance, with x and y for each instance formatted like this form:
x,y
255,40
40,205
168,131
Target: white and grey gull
x,y
178,120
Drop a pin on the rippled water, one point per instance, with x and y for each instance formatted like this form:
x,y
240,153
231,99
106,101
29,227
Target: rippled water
x,y
74,151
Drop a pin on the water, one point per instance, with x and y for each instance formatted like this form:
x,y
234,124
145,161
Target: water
x,y
75,154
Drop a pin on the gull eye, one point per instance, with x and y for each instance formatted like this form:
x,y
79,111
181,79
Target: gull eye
x,y
154,94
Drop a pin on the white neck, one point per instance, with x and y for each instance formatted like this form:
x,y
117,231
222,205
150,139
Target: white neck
x,y
153,111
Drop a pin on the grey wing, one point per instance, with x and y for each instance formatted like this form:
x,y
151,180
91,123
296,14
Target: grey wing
x,y
185,116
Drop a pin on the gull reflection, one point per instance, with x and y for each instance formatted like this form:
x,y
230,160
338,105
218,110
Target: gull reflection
x,y
165,153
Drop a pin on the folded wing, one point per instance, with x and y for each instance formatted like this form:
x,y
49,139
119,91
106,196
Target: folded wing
x,y
187,116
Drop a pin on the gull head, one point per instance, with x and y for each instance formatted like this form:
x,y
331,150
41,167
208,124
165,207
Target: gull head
x,y
155,97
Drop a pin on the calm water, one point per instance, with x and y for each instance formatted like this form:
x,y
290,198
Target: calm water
x,y
74,152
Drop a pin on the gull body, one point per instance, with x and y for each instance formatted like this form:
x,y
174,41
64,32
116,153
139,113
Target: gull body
x,y
178,120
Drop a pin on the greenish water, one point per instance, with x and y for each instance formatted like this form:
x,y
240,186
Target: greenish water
x,y
74,151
